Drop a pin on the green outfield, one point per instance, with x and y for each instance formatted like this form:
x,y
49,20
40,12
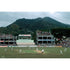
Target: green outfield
x,y
34,52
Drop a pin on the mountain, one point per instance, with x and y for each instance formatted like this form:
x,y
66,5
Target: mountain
x,y
31,25
38,24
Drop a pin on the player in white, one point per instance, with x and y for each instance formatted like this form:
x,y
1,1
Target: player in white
x,y
42,50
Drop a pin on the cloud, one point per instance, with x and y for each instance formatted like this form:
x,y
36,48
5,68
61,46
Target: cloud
x,y
7,18
4,23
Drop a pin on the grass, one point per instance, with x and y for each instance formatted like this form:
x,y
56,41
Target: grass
x,y
30,52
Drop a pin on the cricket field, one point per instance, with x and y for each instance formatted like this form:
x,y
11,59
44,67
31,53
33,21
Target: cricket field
x,y
34,52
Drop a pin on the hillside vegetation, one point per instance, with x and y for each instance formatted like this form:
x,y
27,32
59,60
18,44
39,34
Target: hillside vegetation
x,y
25,26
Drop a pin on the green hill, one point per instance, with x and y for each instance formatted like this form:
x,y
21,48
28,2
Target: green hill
x,y
31,25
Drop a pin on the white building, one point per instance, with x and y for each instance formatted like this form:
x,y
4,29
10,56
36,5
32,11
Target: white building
x,y
25,40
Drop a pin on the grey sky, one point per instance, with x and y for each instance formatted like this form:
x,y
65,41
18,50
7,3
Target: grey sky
x,y
7,18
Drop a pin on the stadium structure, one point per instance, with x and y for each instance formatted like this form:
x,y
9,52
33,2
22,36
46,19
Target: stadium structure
x,y
25,40
7,40
44,38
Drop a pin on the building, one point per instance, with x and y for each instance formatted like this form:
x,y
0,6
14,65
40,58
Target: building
x,y
44,38
25,40
24,36
7,40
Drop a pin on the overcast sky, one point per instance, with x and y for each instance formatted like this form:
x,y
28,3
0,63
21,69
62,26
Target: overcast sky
x,y
7,18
